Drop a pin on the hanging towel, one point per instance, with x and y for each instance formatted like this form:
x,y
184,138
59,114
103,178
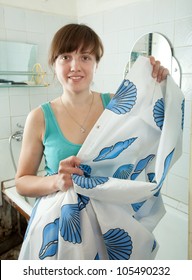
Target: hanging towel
x,y
112,210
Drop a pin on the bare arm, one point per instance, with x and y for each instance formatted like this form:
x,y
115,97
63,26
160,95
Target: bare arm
x,y
27,181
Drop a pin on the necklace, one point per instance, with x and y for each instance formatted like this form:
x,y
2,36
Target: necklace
x,y
82,126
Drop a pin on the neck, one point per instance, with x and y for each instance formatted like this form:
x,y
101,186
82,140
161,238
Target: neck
x,y
77,99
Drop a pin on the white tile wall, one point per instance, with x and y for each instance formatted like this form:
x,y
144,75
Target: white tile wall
x,y
6,166
15,19
19,105
164,13
16,35
36,100
184,56
177,187
35,22
183,9
2,24
110,42
4,106
183,32
95,21
187,86
126,40
140,17
5,127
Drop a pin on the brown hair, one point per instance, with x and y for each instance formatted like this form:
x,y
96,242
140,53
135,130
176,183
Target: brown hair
x,y
72,37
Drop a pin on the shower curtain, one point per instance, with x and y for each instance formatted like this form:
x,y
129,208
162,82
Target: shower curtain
x,y
112,210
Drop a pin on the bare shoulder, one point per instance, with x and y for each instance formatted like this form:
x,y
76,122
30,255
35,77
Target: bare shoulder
x,y
36,114
35,122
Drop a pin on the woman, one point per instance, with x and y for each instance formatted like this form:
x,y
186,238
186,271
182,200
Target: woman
x,y
58,129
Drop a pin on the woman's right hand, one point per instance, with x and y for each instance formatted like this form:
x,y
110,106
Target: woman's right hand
x,y
67,168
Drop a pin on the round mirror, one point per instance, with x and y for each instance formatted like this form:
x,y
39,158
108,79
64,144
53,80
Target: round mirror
x,y
158,46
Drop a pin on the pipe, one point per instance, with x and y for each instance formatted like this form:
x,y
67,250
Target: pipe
x,y
18,136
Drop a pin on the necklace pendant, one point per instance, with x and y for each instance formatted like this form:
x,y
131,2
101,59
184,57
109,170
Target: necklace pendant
x,y
82,129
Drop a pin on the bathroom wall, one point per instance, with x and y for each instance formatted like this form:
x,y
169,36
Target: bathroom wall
x,y
119,27
59,7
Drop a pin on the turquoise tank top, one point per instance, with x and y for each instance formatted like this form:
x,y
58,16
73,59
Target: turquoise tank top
x,y
56,146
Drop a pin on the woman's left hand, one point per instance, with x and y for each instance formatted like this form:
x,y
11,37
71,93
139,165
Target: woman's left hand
x,y
159,72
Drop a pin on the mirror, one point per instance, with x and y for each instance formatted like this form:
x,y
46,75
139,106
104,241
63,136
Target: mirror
x,y
158,46
16,59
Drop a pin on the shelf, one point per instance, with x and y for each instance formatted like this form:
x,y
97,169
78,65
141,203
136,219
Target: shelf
x,y
22,86
35,78
22,73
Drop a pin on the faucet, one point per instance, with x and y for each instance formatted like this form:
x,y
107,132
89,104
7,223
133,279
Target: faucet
x,y
18,136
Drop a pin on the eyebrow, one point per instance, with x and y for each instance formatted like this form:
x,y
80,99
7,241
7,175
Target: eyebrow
x,y
85,52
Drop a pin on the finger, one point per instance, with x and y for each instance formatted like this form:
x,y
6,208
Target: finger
x,y
70,162
162,74
76,170
152,60
70,170
64,182
165,73
156,68
73,161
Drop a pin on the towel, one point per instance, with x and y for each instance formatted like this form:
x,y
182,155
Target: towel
x,y
111,211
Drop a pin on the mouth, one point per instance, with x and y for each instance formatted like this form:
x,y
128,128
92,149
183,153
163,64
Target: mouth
x,y
75,78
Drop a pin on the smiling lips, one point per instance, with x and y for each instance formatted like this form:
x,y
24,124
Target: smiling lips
x,y
75,78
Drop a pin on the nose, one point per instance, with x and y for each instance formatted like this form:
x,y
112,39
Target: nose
x,y
75,65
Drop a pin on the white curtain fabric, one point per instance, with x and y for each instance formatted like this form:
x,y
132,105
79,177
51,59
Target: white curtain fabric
x,y
113,209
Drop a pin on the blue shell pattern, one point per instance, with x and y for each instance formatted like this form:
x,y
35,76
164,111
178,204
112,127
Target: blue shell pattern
x,y
124,99
158,112
50,240
123,171
154,245
70,227
97,257
137,206
87,181
114,150
167,163
141,165
151,177
82,201
118,244
138,169
86,169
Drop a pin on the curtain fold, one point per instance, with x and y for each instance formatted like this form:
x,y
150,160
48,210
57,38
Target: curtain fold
x,y
113,208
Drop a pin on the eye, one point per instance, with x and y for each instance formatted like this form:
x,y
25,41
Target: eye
x,y
64,57
86,57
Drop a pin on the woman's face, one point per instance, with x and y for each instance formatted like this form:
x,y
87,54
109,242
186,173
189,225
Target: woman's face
x,y
75,70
